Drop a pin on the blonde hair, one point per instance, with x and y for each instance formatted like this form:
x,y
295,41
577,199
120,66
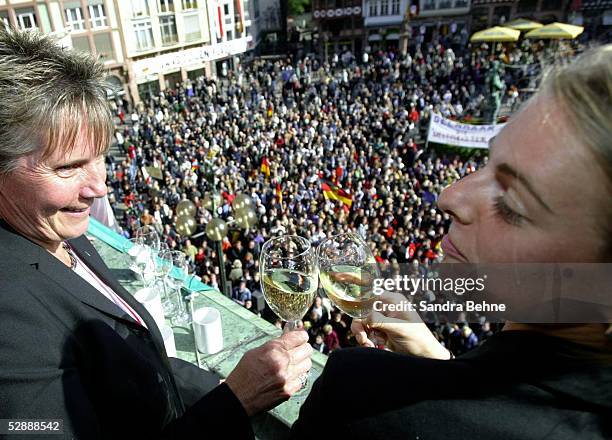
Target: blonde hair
x,y
584,88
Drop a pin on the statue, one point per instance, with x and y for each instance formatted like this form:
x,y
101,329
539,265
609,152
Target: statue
x,y
495,90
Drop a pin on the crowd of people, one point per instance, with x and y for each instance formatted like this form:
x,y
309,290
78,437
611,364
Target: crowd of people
x,y
277,129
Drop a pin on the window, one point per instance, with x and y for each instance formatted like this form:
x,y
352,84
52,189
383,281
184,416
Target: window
x,y
256,8
26,19
461,4
192,27
247,31
104,46
4,20
74,16
395,7
190,4
499,12
97,16
373,12
445,4
81,44
144,35
527,5
140,8
384,7
246,11
229,35
480,18
166,6
551,5
167,24
429,5
226,9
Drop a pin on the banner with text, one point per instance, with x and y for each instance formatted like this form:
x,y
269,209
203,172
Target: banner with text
x,y
445,131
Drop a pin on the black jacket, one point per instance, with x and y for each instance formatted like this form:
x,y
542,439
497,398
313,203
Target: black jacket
x,y
67,352
517,385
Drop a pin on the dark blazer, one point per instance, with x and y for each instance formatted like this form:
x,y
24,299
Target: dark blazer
x,y
67,352
517,385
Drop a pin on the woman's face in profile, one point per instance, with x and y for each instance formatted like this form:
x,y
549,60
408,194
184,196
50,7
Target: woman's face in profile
x,y
542,197
48,200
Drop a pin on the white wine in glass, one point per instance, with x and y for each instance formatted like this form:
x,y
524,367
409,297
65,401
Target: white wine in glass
x,y
348,270
289,277
289,292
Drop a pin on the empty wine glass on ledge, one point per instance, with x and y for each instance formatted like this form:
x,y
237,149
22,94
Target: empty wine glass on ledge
x,y
348,269
148,236
140,258
177,278
165,263
289,277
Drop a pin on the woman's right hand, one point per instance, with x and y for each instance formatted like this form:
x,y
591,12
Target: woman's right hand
x,y
270,374
401,331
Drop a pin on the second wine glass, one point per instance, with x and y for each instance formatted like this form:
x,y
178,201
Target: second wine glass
x,y
348,269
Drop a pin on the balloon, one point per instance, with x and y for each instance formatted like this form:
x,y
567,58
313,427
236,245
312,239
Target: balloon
x,y
185,225
246,218
242,201
208,201
216,229
186,208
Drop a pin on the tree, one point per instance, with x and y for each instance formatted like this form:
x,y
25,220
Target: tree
x,y
297,7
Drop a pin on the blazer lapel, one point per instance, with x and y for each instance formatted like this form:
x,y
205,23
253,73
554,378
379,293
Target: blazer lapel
x,y
90,256
41,260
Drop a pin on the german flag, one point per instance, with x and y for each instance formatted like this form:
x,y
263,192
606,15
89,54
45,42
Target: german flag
x,y
279,193
333,192
265,166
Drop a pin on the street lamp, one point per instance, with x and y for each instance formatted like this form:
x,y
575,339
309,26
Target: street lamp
x,y
405,35
216,230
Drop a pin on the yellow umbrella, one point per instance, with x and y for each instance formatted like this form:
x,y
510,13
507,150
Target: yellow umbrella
x,y
497,33
555,31
522,24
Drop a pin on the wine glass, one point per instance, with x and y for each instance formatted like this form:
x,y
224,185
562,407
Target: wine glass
x,y
348,270
165,263
148,236
289,277
140,257
176,280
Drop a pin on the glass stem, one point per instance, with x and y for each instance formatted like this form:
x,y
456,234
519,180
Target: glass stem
x,y
181,303
164,287
292,325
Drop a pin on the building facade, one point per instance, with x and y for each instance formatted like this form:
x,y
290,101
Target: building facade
x,y
147,45
340,26
487,13
426,18
595,16
383,23
169,41
441,17
88,25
